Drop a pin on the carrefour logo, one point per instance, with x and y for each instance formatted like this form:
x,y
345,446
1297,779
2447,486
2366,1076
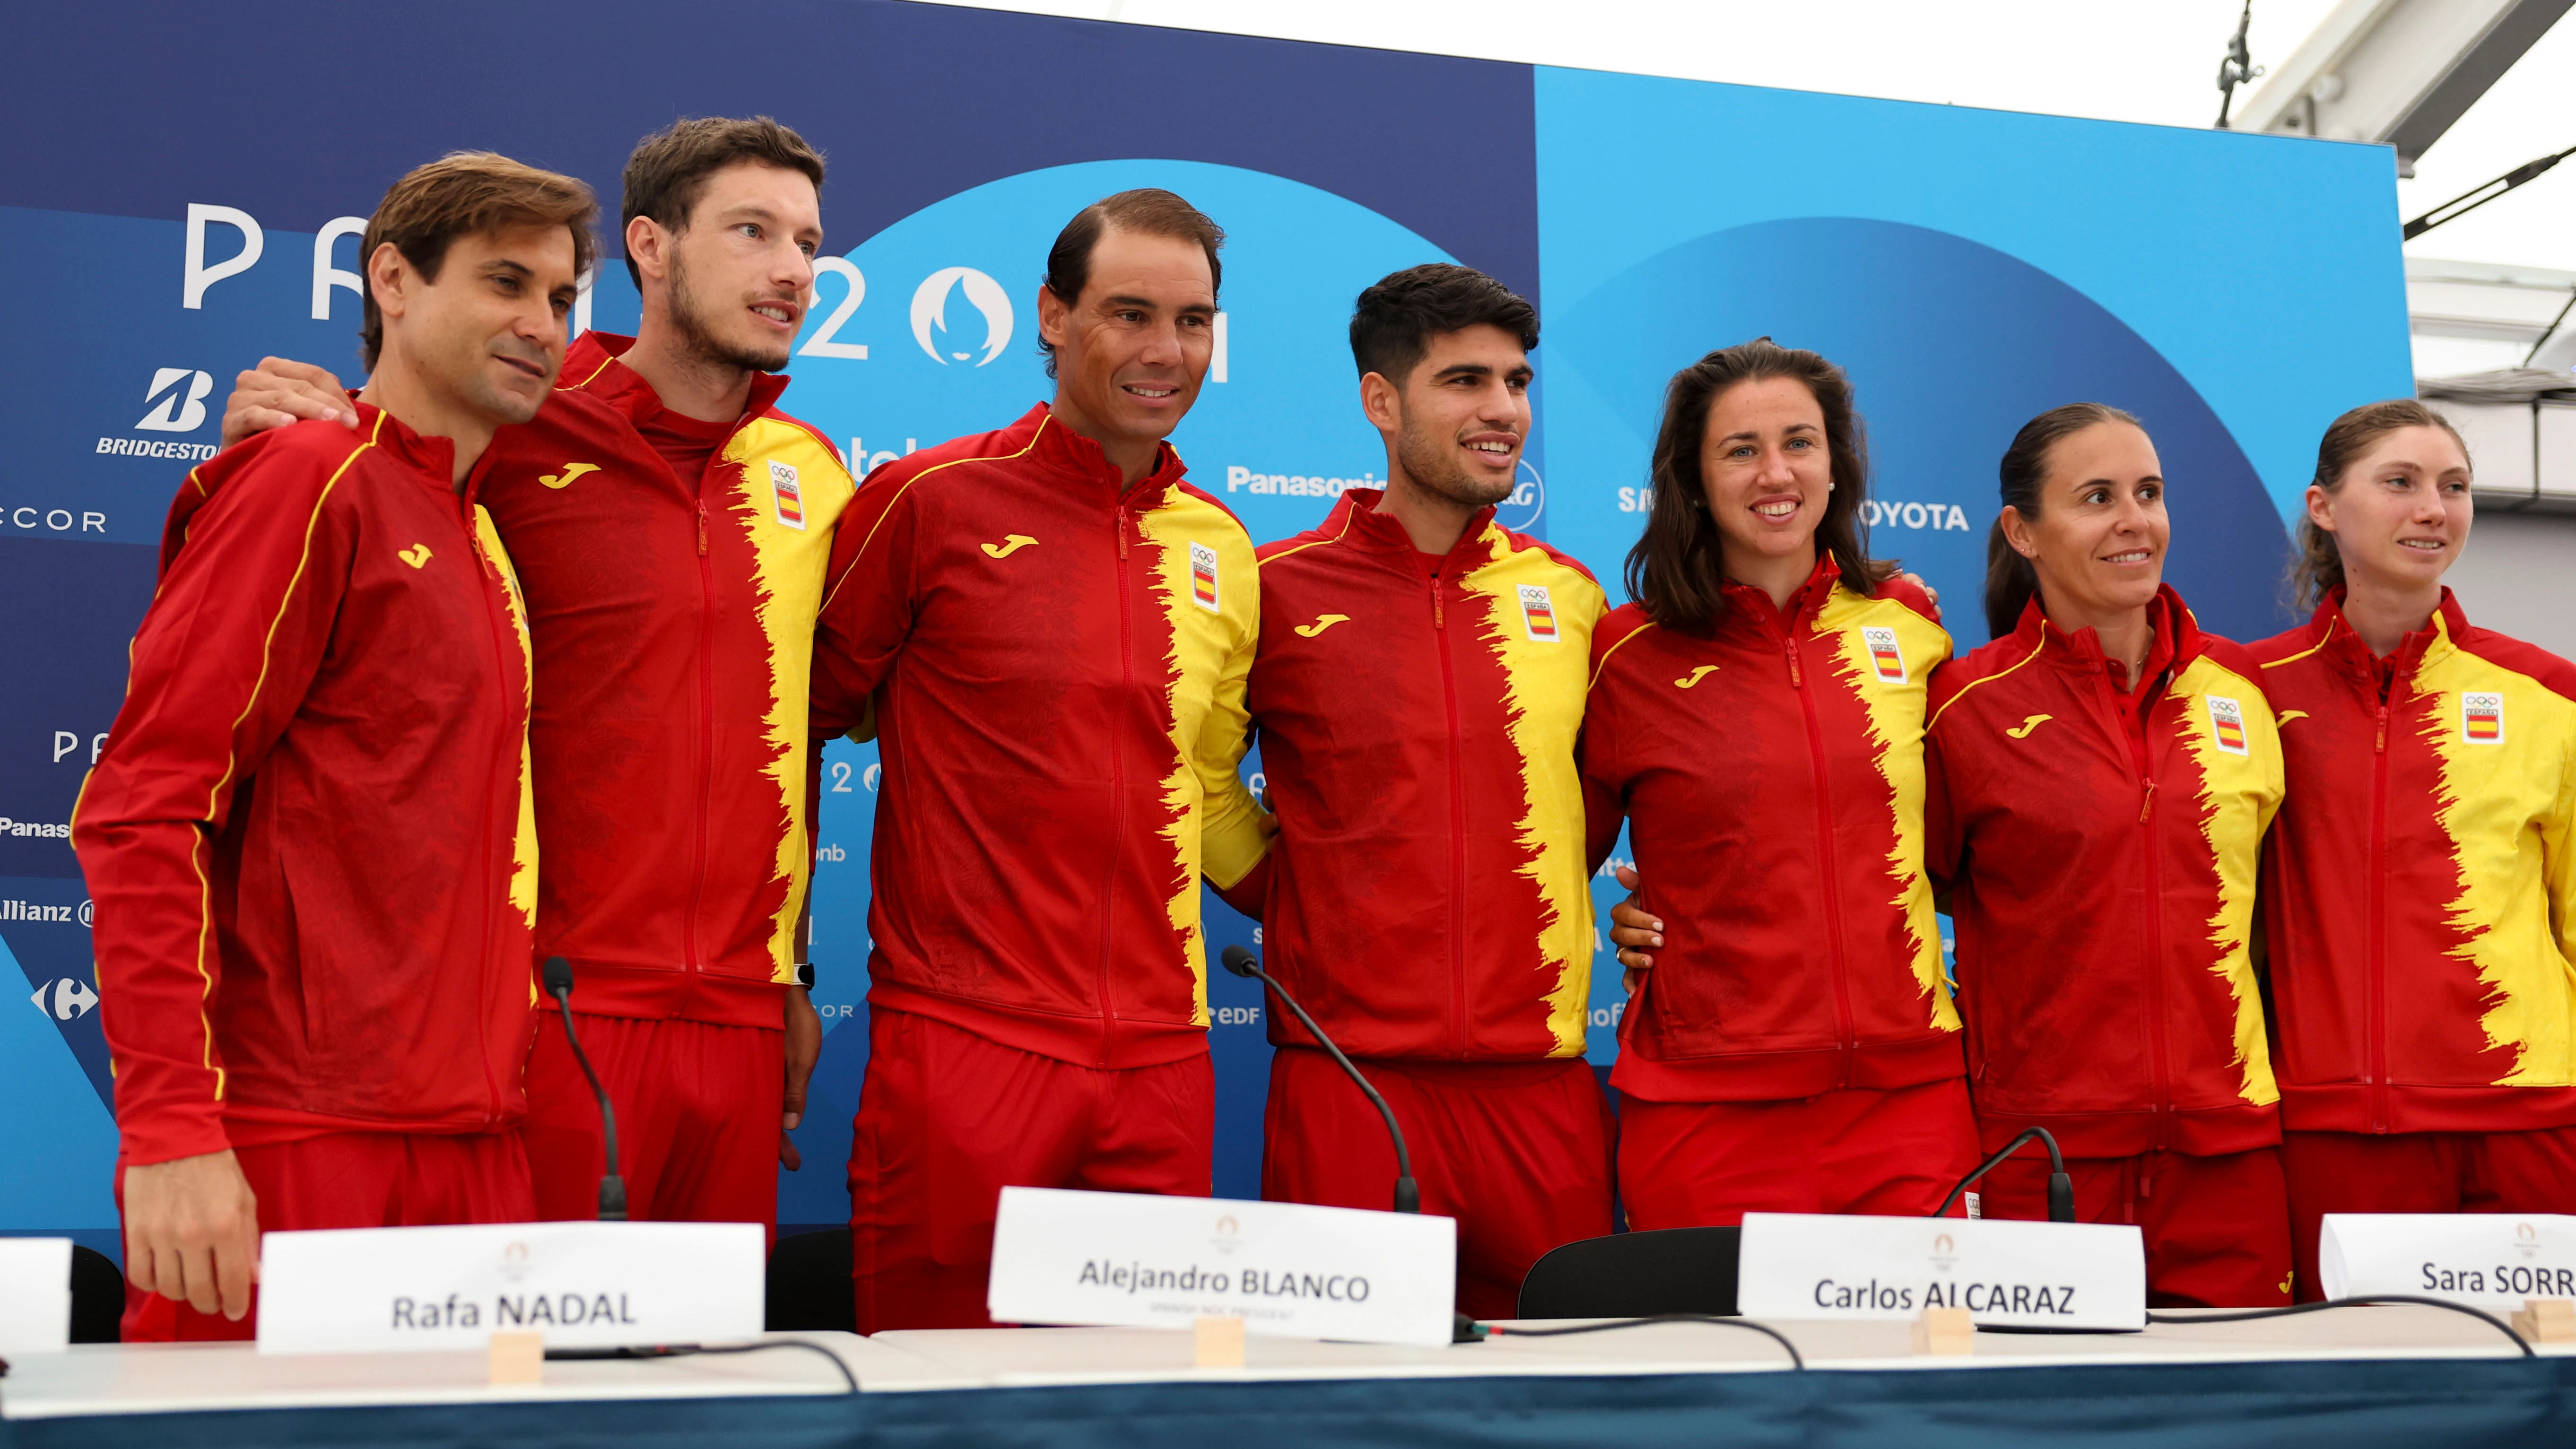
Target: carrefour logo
x,y
65,1000
930,315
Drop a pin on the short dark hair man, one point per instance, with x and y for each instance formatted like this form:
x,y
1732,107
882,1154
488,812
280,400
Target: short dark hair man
x,y
308,836
1418,690
1055,629
672,526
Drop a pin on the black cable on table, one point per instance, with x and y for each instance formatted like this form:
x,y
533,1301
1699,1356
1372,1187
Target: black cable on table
x,y
690,1350
2242,1315
1766,1330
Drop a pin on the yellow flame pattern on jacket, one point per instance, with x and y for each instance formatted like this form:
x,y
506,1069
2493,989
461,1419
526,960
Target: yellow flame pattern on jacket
x,y
2505,808
1552,832
2238,796
1896,725
523,842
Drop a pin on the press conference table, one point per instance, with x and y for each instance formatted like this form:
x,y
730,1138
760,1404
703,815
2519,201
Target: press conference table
x,y
2398,1375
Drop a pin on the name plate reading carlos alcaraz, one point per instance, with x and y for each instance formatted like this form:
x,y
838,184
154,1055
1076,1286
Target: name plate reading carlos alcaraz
x,y
2495,1261
581,1285
1285,1269
2006,1274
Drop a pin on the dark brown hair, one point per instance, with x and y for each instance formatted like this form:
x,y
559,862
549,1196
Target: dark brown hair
x,y
669,169
1392,327
2011,581
1674,569
466,193
1150,211
2318,570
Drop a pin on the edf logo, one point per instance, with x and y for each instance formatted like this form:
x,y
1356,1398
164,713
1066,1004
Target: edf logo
x,y
177,411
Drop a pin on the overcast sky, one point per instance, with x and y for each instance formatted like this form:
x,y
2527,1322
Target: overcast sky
x,y
2154,61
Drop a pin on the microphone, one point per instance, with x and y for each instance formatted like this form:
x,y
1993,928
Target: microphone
x,y
612,1188
2061,1188
1408,1197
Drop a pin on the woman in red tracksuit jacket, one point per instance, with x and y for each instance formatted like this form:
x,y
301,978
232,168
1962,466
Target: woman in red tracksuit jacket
x,y
2419,897
2100,779
1757,719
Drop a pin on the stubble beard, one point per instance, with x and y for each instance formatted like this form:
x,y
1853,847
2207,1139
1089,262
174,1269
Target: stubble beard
x,y
1435,467
690,322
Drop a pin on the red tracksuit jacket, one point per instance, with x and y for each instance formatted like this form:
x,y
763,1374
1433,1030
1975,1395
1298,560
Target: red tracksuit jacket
x,y
1427,895
1057,661
673,621
2099,851
2419,896
310,837
1771,774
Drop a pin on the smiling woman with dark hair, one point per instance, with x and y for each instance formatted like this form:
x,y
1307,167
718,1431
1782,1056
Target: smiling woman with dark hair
x,y
1757,720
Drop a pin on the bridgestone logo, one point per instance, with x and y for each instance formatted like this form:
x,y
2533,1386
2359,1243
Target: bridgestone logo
x,y
156,448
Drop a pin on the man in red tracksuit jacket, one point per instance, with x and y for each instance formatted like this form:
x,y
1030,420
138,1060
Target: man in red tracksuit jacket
x,y
310,836
671,526
1417,692
1055,630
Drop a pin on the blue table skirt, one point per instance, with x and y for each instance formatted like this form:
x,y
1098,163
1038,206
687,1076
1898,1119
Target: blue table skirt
x,y
2345,1405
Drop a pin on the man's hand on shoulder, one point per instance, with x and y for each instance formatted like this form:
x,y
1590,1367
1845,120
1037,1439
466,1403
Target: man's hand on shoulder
x,y
279,392
192,1232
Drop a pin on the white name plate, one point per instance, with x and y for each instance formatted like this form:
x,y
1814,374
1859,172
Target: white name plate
x,y
582,1285
2487,1260
35,1295
2005,1273
1285,1269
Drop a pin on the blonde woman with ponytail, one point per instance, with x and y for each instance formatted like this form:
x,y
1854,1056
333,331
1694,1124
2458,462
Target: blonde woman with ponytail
x,y
2419,899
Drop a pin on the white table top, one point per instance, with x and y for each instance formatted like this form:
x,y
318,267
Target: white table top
x,y
166,1378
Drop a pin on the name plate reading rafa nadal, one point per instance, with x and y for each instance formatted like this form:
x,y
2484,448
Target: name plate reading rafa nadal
x,y
2495,1261
2006,1274
1285,1269
581,1285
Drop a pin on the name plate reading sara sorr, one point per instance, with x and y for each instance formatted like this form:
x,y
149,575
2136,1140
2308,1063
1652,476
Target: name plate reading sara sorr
x,y
2006,1274
581,1285
2495,1261
1286,1269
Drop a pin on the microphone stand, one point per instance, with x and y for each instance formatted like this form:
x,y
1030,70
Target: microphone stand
x,y
1408,1195
612,1188
2061,1188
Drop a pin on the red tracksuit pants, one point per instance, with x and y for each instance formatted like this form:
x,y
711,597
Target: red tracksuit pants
x,y
2217,1229
698,1118
2420,1172
1893,1151
947,1119
1518,1152
351,1180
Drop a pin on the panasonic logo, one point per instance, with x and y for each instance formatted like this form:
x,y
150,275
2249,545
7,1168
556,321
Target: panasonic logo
x,y
1294,485
36,828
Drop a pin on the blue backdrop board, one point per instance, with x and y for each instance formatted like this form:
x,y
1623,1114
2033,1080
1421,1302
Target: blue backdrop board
x,y
1970,268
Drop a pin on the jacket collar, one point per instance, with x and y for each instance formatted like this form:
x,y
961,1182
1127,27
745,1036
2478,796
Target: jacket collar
x,y
1064,451
433,458
1356,521
596,365
2332,634
1743,601
2177,643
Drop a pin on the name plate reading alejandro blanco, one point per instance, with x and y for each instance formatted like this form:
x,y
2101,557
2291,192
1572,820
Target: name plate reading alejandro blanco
x,y
581,1285
1287,1270
2006,1274
35,1294
2494,1261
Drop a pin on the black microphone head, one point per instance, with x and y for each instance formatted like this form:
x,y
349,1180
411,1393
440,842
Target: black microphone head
x,y
557,975
1239,960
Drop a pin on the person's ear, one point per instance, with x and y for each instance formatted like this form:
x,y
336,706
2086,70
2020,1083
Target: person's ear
x,y
2017,533
1382,403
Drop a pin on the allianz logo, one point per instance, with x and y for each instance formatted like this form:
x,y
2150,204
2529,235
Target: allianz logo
x,y
65,1000
39,911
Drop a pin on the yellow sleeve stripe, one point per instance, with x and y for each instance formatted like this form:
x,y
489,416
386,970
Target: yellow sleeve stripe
x,y
2311,649
587,381
1311,543
1595,681
1989,679
888,511
232,761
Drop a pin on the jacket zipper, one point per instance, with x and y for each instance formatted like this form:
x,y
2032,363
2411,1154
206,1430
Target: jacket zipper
x,y
2140,754
2378,1068
1457,831
706,746
1825,873
491,874
1117,782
